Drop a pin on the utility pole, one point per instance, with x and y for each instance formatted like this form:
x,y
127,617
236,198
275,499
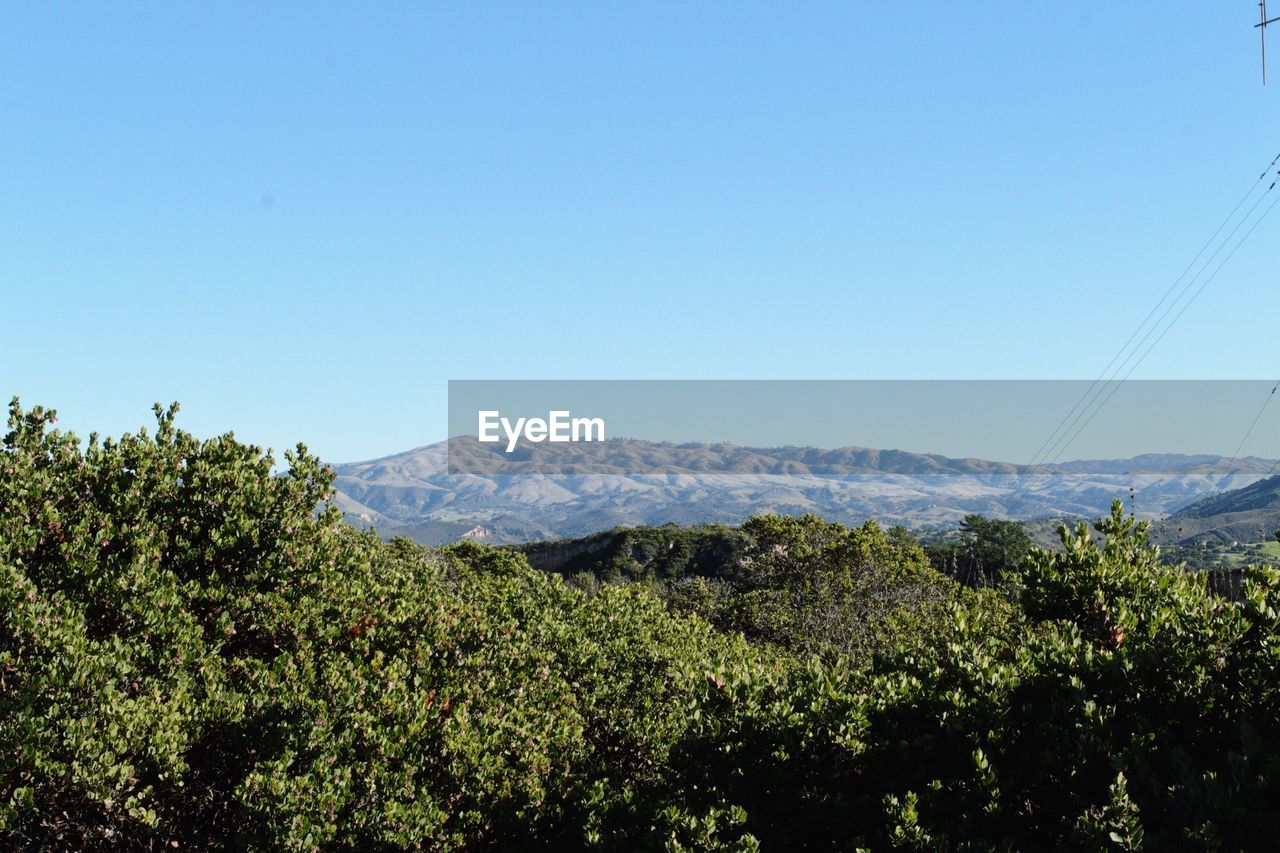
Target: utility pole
x,y
1261,27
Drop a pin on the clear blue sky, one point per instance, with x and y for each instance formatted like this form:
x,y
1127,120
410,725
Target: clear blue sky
x,y
302,219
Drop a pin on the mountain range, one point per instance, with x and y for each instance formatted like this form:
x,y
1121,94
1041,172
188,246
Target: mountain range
x,y
414,494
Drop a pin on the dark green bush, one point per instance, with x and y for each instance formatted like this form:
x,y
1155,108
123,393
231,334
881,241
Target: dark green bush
x,y
1125,706
191,653
817,587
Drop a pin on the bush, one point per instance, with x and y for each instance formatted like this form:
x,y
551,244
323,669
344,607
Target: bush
x,y
192,653
1125,706
817,587
189,653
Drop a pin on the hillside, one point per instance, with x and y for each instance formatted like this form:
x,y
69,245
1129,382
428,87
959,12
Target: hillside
x,y
413,494
1248,514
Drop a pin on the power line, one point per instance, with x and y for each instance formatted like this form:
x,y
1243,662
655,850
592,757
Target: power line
x,y
1054,444
1061,447
1171,324
1090,392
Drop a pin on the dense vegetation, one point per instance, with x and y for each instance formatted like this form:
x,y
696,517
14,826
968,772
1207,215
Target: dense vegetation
x,y
803,584
652,555
984,552
190,654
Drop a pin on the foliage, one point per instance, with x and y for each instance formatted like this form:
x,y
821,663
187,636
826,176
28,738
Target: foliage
x,y
1126,706
805,584
815,586
192,652
986,551
189,654
656,555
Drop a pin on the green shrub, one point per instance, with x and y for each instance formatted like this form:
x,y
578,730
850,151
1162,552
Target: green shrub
x,y
191,652
1126,706
817,587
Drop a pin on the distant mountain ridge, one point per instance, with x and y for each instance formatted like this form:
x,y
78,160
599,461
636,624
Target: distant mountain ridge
x,y
413,494
633,456
1264,494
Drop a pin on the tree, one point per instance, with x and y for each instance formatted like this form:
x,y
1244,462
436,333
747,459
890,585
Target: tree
x,y
986,551
815,586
